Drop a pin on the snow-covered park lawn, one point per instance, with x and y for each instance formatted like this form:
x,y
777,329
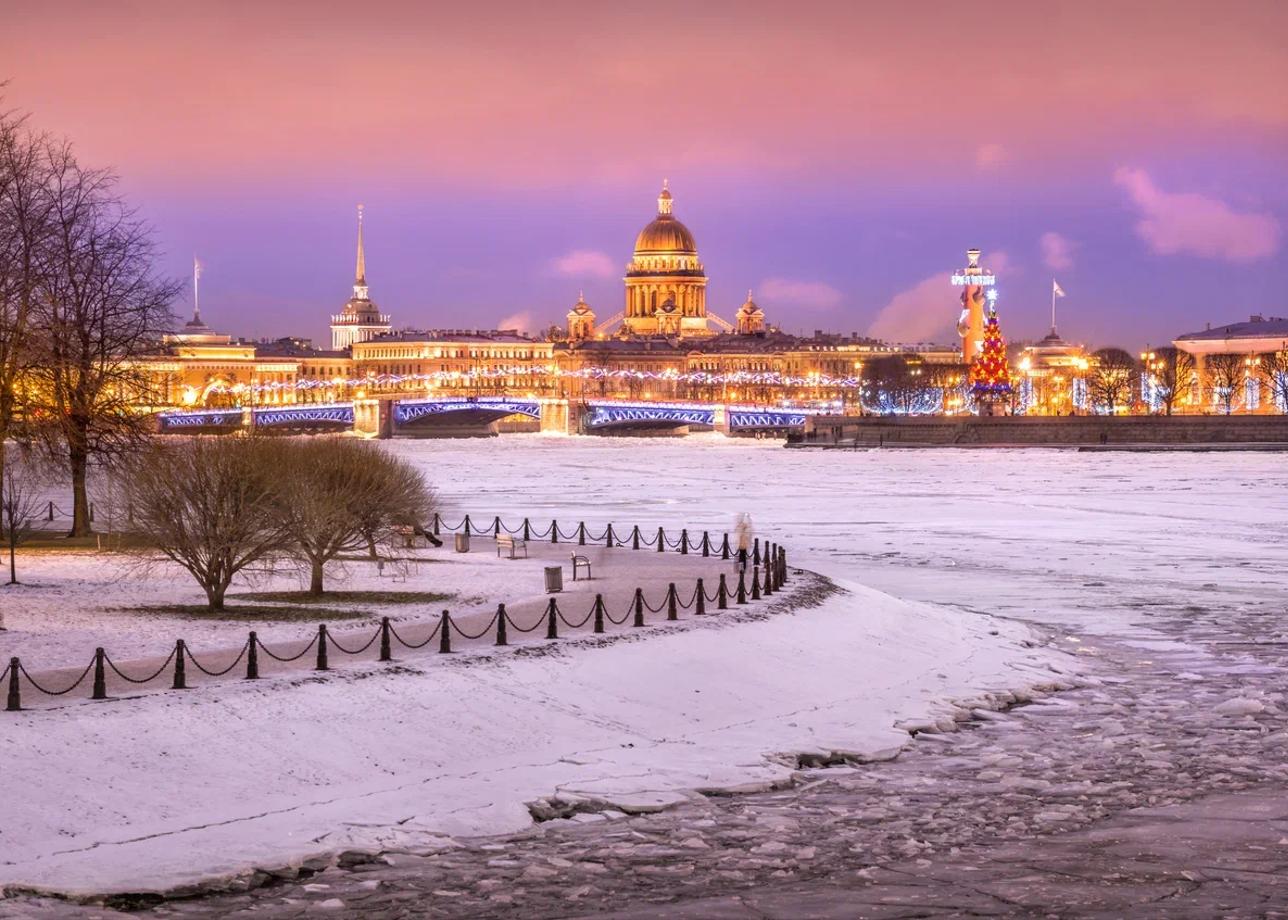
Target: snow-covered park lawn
x,y
923,546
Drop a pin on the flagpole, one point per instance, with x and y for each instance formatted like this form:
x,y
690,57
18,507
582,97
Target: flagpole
x,y
1053,306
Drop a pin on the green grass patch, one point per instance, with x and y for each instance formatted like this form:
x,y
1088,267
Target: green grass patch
x,y
347,597
251,613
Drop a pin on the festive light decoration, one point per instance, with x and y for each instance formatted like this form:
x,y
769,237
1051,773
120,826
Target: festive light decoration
x,y
990,373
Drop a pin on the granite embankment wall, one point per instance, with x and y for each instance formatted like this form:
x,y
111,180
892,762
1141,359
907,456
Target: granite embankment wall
x,y
825,430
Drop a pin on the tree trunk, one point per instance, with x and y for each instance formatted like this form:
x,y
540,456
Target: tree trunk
x,y
78,461
215,597
13,565
315,582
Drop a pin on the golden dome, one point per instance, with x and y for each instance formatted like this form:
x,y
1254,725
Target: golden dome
x,y
665,234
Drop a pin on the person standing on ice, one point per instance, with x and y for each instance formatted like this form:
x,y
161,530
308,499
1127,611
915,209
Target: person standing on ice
x,y
742,532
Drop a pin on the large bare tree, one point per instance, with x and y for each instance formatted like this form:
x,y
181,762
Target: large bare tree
x,y
208,504
25,228
337,496
1111,379
101,305
1225,374
1275,367
1173,372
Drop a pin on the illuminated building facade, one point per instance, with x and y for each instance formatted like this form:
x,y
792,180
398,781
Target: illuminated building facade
x,y
1237,368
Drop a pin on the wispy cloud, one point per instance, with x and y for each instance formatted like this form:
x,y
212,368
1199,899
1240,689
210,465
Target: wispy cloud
x,y
1172,223
810,295
928,311
585,263
1057,251
522,321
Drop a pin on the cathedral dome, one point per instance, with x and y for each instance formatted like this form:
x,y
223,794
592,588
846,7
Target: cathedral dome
x,y
665,234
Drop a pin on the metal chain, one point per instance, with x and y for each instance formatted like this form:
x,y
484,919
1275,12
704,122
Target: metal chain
x,y
304,651
486,629
359,651
32,681
237,661
569,623
153,676
517,628
411,645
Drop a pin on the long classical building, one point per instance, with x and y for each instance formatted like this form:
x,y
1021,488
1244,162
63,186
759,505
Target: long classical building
x,y
664,344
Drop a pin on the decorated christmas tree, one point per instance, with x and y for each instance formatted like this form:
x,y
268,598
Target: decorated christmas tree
x,y
990,374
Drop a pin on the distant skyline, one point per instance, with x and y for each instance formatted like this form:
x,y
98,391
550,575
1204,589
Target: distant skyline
x,y
836,158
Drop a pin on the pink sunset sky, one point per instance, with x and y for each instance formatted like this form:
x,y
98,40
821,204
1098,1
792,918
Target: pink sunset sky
x,y
838,159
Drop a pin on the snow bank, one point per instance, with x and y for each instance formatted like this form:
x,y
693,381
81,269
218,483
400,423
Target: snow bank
x,y
161,792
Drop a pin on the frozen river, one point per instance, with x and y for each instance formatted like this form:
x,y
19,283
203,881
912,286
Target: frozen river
x,y
1159,783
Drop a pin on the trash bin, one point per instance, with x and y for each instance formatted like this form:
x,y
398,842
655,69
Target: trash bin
x,y
554,579
462,543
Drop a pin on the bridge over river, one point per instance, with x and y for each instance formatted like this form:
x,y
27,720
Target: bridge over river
x,y
466,416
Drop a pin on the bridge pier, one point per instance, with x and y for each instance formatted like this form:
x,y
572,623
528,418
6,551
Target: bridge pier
x,y
560,416
373,417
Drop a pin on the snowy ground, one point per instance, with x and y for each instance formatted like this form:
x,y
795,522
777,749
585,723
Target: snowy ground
x,y
1115,551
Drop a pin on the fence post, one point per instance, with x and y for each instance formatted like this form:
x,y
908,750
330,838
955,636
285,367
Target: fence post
x,y
436,523
671,613
444,633
552,627
599,613
496,526
724,547
767,589
608,537
15,698
51,511
554,531
755,552
706,543
639,607
321,664
783,555
722,594
467,525
581,534
100,678
755,583
500,625
701,607
252,657
661,540
527,530
180,669
742,587
386,653
684,541
635,537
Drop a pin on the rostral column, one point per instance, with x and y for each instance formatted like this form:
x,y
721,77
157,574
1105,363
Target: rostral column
x,y
977,287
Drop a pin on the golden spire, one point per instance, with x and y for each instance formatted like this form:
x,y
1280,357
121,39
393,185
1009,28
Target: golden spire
x,y
360,276
664,199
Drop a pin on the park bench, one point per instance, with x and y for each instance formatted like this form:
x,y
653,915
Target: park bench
x,y
512,544
579,563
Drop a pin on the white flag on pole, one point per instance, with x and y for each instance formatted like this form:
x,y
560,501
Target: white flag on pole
x,y
1055,288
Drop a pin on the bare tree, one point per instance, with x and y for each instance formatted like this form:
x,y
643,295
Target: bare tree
x,y
22,494
25,230
1173,372
101,305
209,505
338,495
1225,374
1275,366
1111,379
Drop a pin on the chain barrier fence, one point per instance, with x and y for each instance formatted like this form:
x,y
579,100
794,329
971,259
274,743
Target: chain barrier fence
x,y
766,572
